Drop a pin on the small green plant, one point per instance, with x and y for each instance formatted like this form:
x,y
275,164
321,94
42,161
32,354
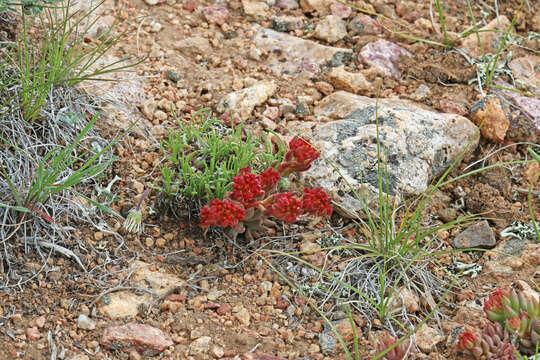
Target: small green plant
x,y
203,156
64,56
29,7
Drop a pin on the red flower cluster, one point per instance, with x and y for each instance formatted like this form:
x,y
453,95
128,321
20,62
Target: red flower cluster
x,y
268,179
247,188
316,201
299,157
251,199
222,213
285,207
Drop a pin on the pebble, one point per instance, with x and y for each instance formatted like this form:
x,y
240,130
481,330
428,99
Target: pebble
x,y
383,55
32,333
330,29
287,4
327,343
489,112
200,346
363,25
479,235
84,322
340,10
173,76
151,2
243,316
216,14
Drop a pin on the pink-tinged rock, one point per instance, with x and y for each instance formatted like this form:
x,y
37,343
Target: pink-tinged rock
x,y
384,56
452,107
364,25
252,356
224,309
525,70
190,6
287,4
144,338
32,333
215,14
340,10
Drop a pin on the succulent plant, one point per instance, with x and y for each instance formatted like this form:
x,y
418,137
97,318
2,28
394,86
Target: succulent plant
x,y
519,315
397,353
492,344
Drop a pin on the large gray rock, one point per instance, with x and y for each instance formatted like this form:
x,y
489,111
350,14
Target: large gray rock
x,y
290,54
419,143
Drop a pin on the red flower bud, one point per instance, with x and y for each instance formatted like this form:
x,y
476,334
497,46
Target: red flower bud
x,y
285,207
268,179
317,202
247,188
222,213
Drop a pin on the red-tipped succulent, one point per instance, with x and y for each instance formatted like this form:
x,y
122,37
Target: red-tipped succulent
x,y
519,315
252,200
285,207
222,213
398,352
316,201
492,344
299,157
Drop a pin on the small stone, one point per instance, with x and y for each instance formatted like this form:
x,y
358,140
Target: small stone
x,y
215,14
330,29
38,322
427,338
155,27
327,343
489,113
448,214
383,55
348,81
479,235
340,10
287,4
173,76
452,107
490,38
200,346
324,87
161,242
32,333
93,344
98,236
421,93
255,8
243,316
151,2
301,108
150,339
190,5
364,25
244,101
149,242
138,187
160,116
224,309
286,107
285,23
217,352
406,298
268,124
271,112
314,348
214,295
134,355
85,323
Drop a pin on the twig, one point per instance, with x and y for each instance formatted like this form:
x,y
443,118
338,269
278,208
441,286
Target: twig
x,y
52,345
62,250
